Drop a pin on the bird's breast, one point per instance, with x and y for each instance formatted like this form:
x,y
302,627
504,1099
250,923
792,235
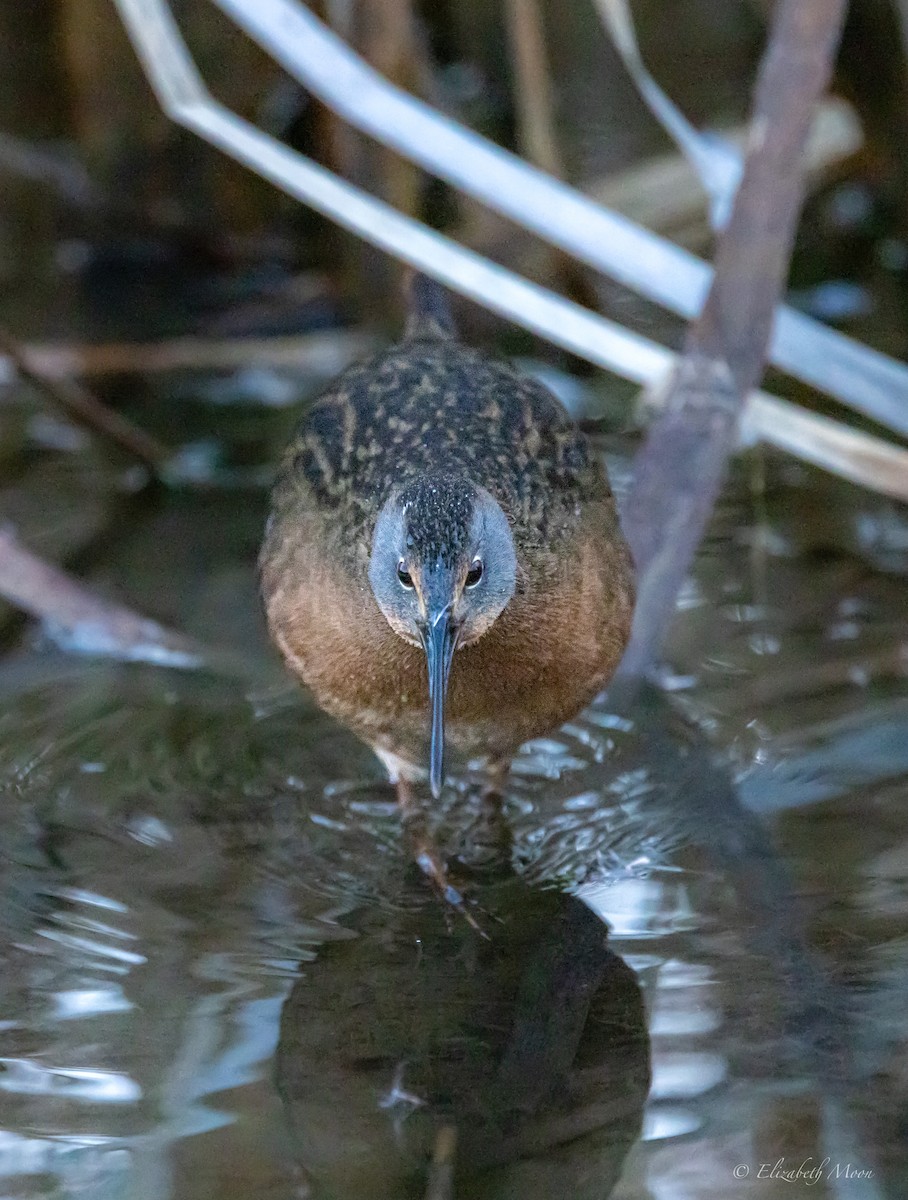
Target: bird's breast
x,y
544,658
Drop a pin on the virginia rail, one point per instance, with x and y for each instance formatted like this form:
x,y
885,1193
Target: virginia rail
x,y
443,566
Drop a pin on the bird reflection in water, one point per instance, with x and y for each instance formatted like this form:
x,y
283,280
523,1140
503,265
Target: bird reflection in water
x,y
420,1061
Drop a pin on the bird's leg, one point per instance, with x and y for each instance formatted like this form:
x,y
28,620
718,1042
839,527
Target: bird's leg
x,y
428,859
426,852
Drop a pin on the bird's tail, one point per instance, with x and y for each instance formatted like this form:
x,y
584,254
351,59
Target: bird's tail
x,y
428,310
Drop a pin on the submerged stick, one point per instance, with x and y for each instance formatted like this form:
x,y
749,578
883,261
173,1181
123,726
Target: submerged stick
x,y
80,621
679,471
76,618
85,408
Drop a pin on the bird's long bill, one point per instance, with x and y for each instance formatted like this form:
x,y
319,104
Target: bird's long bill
x,y
440,641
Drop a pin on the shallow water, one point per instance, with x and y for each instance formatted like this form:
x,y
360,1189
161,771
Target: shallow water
x,y
223,976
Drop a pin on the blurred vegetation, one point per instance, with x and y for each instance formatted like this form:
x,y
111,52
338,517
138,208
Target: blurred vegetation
x,y
159,216
116,226
117,223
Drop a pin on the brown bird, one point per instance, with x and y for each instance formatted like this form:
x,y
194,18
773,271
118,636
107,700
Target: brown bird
x,y
443,566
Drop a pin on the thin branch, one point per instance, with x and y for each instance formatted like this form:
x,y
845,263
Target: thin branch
x,y
855,375
79,404
863,459
666,194
717,164
679,471
598,340
324,354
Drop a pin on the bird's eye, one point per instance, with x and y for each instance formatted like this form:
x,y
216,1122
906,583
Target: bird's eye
x,y
406,579
475,573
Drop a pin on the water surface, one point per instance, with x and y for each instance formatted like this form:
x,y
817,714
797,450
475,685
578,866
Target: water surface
x,y
223,975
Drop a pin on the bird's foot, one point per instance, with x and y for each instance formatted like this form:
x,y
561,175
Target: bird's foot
x,y
428,858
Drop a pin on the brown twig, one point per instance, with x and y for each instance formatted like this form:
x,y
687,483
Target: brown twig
x,y
85,408
533,89
537,134
441,1170
389,44
680,469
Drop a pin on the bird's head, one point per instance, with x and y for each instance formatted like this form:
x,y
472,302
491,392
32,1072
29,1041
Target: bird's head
x,y
443,567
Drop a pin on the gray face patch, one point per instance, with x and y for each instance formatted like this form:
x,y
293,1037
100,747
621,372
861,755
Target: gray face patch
x,y
428,539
